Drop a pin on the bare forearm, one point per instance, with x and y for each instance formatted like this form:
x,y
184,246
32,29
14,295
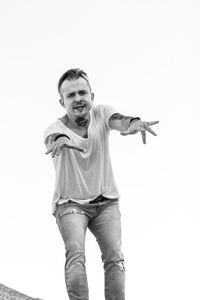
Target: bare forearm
x,y
120,122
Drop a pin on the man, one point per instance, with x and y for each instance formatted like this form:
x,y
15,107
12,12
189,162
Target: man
x,y
86,195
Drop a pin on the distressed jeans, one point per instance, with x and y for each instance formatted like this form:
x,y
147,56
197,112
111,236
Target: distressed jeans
x,y
103,220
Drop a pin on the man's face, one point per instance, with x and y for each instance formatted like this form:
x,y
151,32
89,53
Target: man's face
x,y
76,97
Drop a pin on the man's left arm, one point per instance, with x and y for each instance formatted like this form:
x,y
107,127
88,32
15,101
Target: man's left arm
x,y
130,125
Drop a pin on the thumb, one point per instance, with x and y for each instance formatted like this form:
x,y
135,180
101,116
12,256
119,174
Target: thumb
x,y
49,151
124,132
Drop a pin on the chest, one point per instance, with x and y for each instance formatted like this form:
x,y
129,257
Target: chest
x,y
91,139
82,132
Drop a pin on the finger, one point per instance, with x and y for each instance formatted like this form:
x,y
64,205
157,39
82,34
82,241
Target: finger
x,y
149,129
125,132
140,128
49,151
152,123
58,151
129,131
143,133
74,147
54,151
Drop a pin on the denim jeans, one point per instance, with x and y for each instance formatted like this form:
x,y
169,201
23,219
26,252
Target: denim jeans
x,y
103,220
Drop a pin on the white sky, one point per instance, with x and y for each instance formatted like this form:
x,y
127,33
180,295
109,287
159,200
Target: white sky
x,y
143,57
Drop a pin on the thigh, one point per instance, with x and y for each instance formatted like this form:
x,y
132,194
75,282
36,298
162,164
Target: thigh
x,y
72,223
106,227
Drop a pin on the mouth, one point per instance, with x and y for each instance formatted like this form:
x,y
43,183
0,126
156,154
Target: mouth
x,y
79,107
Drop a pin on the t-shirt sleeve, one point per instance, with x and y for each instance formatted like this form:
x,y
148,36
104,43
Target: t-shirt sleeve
x,y
107,111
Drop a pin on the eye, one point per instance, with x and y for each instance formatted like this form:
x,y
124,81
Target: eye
x,y
82,93
70,95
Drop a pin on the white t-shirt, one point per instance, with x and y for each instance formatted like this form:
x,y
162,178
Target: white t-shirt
x,y
83,176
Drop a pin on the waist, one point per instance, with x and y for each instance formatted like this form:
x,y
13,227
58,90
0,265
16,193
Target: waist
x,y
98,199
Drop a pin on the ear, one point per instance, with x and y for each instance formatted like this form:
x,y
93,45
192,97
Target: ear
x,y
92,96
62,102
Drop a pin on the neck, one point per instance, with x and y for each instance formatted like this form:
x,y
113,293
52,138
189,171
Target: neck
x,y
81,121
78,122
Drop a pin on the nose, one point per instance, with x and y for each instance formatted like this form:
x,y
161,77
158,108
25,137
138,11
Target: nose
x,y
78,98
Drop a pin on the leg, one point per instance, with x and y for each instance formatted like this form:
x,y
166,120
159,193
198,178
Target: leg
x,y
72,223
107,229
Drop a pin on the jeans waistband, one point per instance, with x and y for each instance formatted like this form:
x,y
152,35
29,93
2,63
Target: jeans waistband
x,y
100,198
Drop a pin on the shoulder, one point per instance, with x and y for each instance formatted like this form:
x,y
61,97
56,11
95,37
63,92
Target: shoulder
x,y
55,127
56,124
103,110
102,113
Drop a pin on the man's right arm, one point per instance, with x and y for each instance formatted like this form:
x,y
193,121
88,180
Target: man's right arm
x,y
56,142
50,139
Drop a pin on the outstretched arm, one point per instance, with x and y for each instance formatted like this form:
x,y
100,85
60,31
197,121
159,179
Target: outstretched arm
x,y
129,125
55,143
120,122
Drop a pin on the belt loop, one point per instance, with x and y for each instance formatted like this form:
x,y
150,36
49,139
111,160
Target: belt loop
x,y
99,205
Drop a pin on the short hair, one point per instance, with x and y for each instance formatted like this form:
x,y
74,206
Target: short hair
x,y
71,75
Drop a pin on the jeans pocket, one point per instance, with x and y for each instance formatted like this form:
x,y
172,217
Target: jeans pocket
x,y
71,209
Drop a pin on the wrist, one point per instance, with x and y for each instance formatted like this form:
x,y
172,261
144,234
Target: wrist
x,y
133,120
61,136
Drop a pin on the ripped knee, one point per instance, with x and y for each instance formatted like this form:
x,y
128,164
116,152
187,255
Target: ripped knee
x,y
119,264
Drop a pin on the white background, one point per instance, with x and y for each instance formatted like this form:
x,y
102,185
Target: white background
x,y
143,57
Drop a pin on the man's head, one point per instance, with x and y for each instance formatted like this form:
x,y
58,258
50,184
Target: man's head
x,y
75,91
